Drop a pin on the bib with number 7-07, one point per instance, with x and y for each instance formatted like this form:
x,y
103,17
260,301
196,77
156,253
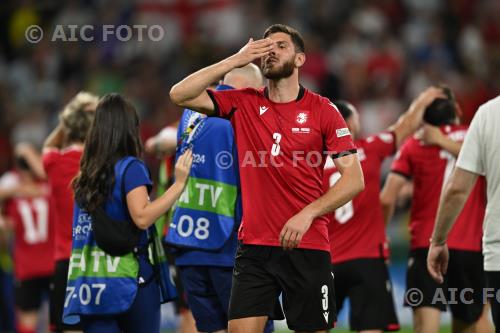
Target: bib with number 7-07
x,y
98,283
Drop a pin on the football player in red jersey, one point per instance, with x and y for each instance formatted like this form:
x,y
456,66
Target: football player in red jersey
x,y
428,166
28,210
281,132
61,160
357,230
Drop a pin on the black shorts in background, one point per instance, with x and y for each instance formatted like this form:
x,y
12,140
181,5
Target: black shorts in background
x,y
493,282
30,293
262,273
367,284
465,272
57,297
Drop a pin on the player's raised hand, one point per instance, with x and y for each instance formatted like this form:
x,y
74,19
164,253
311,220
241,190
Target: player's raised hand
x,y
431,135
252,50
437,261
425,99
294,229
183,167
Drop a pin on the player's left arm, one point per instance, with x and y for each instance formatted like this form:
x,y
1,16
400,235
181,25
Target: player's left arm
x,y
411,120
347,187
389,195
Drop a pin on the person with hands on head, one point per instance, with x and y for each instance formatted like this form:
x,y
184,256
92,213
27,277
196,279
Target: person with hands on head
x,y
358,242
428,167
288,129
29,213
61,154
121,293
478,157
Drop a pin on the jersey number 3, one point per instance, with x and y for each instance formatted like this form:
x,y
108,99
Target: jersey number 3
x,y
275,149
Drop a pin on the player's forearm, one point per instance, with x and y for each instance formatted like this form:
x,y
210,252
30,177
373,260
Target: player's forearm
x,y
453,147
195,84
33,159
455,195
153,210
388,198
387,211
448,211
407,124
345,189
55,138
7,193
393,185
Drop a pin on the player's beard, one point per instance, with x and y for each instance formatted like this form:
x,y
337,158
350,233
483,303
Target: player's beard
x,y
277,73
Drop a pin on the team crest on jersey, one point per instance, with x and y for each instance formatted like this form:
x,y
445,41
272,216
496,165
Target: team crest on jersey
x,y
302,117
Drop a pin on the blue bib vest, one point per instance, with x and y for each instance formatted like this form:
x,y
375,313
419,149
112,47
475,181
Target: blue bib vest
x,y
98,283
207,212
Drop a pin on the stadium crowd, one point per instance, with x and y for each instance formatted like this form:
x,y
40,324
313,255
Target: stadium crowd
x,y
376,54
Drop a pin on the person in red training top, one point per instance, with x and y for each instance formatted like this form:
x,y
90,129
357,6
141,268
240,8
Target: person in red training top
x,y
282,133
428,166
28,211
61,160
357,230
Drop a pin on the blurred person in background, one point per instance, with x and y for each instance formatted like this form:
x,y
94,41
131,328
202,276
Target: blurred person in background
x,y
205,256
428,162
123,296
479,156
61,161
7,315
357,231
29,213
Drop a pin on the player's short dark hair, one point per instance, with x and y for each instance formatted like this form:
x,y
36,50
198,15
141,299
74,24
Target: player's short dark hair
x,y
296,37
345,108
442,111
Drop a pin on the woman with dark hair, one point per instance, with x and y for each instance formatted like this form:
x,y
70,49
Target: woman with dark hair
x,y
116,293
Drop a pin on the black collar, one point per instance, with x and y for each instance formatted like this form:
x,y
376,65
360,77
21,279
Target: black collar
x,y
301,93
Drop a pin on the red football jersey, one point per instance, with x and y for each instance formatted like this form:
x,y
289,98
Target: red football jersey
x,y
61,167
357,229
430,167
280,150
34,237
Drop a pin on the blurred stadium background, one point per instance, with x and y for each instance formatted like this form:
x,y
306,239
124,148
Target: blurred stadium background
x,y
376,54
